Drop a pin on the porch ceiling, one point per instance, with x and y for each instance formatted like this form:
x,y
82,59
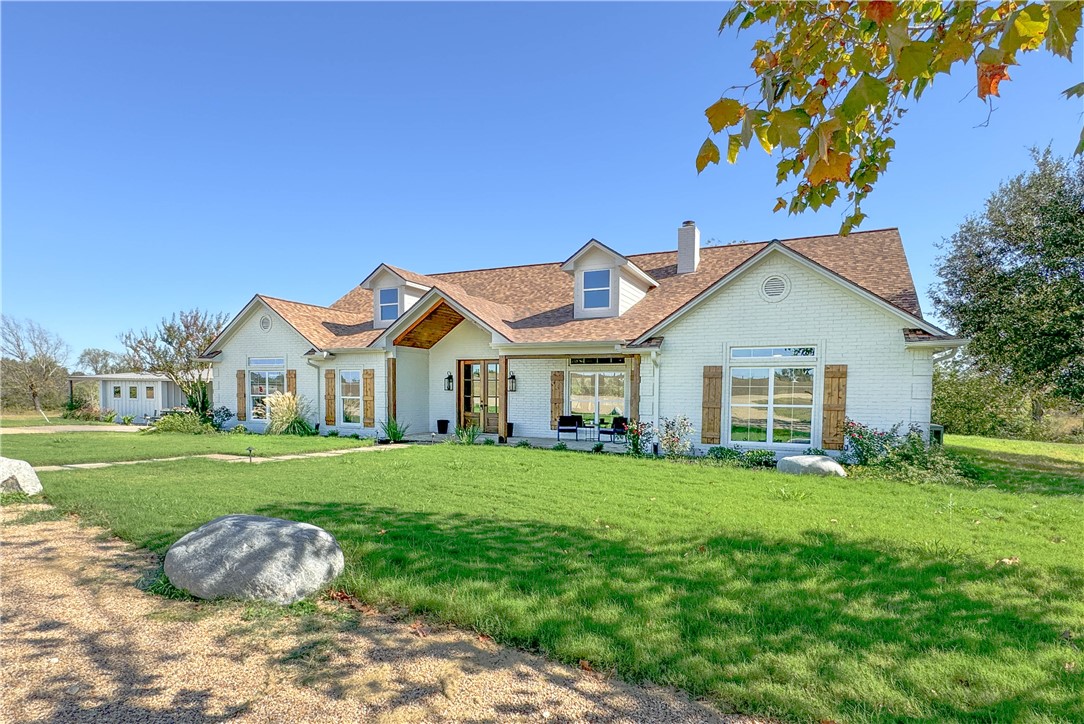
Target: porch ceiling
x,y
430,327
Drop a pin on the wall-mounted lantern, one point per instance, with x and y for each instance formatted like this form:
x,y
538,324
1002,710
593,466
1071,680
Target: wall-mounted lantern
x,y
512,382
449,383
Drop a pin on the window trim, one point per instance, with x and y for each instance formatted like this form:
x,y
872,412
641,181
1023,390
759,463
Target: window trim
x,y
584,289
149,392
380,304
814,362
340,414
597,370
117,392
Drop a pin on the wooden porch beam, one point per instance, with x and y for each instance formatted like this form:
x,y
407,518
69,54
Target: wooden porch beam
x,y
502,398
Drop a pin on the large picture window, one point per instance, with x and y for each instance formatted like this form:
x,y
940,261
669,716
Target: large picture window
x,y
350,396
596,289
598,397
266,376
771,399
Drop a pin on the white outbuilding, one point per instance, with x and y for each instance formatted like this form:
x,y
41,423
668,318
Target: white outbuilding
x,y
138,394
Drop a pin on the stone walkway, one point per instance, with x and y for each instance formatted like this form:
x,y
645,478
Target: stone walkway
x,y
221,457
52,429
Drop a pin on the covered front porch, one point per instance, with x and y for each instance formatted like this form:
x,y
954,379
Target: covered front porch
x,y
581,445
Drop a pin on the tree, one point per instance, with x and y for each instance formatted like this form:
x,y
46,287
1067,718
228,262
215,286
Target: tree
x,y
35,361
832,80
1012,279
97,361
173,350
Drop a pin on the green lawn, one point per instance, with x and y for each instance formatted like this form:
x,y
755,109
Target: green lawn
x,y
853,600
1048,468
24,418
97,447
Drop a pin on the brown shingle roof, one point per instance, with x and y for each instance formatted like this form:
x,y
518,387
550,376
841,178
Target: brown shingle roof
x,y
534,303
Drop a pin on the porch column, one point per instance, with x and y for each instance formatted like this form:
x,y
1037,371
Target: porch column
x,y
634,389
390,385
502,398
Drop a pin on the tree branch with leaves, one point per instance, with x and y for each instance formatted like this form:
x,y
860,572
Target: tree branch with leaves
x,y
173,349
833,80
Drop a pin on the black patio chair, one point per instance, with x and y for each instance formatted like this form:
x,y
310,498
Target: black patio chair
x,y
619,427
569,423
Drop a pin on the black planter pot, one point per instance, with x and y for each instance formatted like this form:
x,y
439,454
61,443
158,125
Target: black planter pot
x,y
442,427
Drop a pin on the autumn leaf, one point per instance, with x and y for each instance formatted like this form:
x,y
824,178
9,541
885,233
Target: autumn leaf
x,y
989,78
878,10
1025,29
1065,19
914,61
834,166
709,153
733,145
724,113
866,92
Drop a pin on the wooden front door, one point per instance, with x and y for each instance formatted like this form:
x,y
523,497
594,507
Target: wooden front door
x,y
479,404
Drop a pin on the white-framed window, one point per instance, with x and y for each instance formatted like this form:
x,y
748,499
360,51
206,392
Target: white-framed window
x,y
266,376
150,392
596,289
133,392
389,304
597,396
350,397
116,392
772,395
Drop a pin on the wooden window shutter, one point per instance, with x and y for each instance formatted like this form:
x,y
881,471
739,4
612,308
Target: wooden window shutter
x,y
557,396
242,400
329,397
634,389
835,406
711,408
368,398
291,382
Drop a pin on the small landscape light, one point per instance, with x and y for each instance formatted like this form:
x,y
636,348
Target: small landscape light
x,y
250,449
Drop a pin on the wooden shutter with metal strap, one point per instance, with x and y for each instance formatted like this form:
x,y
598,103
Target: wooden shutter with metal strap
x,y
329,397
242,402
391,388
557,397
711,408
291,382
634,389
368,397
835,406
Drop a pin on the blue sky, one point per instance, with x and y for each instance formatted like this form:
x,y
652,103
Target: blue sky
x,y
163,156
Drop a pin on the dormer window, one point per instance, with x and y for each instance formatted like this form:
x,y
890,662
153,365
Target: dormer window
x,y
596,289
389,304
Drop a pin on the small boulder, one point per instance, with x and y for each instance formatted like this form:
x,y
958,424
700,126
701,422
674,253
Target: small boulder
x,y
18,476
811,465
251,557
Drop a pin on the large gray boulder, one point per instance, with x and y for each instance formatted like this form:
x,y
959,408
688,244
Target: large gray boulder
x,y
811,465
18,476
252,557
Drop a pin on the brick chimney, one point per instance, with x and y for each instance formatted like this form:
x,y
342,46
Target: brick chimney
x,y
688,247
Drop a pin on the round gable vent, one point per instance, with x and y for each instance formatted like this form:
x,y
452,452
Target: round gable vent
x,y
775,288
265,323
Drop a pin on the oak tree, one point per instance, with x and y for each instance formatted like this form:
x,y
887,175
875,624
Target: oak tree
x,y
34,363
833,80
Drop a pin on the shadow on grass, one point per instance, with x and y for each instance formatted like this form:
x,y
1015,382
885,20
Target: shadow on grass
x,y
806,628
1019,472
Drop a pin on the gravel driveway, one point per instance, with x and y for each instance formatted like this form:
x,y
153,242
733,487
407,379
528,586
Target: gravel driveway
x,y
81,642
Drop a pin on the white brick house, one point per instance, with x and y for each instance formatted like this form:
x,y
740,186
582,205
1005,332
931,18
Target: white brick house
x,y
768,344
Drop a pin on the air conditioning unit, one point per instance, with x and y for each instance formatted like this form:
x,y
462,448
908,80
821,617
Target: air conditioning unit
x,y
937,434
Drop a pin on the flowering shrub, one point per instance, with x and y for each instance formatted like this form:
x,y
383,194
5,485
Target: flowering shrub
x,y
673,435
639,434
865,445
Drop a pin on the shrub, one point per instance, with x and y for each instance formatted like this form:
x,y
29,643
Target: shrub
x,y
127,419
597,447
724,454
673,436
393,430
466,435
199,400
523,443
331,433
907,457
239,430
220,416
560,446
89,412
865,445
287,414
188,423
638,434
109,415
758,459
814,451
489,441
